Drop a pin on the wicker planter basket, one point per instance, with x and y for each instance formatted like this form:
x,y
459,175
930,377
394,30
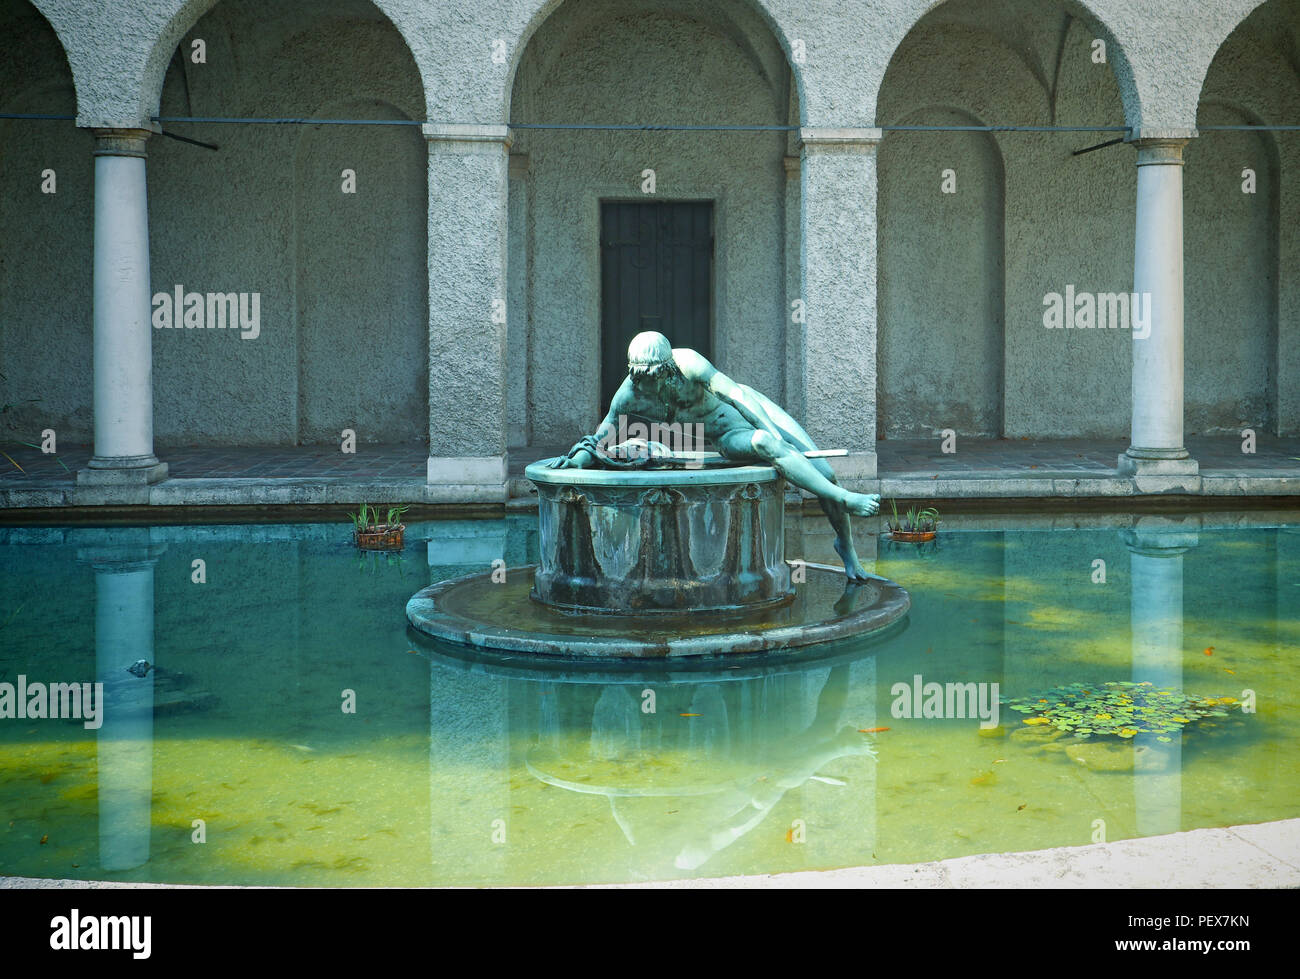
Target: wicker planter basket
x,y
381,538
912,536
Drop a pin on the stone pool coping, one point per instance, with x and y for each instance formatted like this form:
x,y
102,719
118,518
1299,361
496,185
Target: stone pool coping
x,y
1252,855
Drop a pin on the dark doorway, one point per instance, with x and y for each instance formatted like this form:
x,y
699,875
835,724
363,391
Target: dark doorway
x,y
656,273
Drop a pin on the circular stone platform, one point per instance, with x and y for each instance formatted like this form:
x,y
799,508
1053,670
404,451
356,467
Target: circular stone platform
x,y
475,611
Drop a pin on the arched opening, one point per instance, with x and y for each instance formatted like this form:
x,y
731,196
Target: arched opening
x,y
325,225
977,230
1242,235
47,213
599,246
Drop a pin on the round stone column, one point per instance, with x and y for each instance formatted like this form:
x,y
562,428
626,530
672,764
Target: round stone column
x,y
1156,454
123,382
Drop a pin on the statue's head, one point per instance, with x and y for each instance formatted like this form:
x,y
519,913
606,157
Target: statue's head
x,y
650,357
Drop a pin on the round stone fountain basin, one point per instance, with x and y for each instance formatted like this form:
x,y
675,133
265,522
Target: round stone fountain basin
x,y
661,541
497,616
678,565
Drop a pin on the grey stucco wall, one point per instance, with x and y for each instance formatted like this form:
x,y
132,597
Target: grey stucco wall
x,y
344,322
45,240
962,340
1242,250
236,218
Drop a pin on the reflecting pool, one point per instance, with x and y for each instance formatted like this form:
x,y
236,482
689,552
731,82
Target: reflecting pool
x,y
288,729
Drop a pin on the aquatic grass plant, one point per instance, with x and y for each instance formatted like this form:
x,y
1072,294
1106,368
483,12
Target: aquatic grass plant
x,y
366,520
914,521
372,532
1120,709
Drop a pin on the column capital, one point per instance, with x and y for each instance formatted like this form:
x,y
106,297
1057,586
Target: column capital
x,y
459,137
120,142
1160,147
840,139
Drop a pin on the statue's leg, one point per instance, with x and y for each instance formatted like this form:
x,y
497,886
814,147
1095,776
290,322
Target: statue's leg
x,y
813,475
838,515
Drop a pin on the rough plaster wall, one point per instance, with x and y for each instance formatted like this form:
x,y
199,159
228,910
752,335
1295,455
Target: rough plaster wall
x,y
1066,220
1243,250
362,283
1230,256
243,219
940,343
647,68
46,247
1071,222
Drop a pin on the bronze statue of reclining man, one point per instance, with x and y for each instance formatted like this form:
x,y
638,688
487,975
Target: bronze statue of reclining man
x,y
679,386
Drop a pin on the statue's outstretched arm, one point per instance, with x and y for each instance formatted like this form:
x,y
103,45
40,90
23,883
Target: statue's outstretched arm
x,y
581,455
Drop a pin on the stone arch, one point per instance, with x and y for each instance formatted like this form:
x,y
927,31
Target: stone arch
x,y
629,62
264,216
893,31
179,21
45,340
745,35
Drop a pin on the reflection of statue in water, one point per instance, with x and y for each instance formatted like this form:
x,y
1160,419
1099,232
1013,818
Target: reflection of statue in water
x,y
679,386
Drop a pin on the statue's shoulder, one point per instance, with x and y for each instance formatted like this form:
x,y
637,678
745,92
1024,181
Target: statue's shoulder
x,y
691,363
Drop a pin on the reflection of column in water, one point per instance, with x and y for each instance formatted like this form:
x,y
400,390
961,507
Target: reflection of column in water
x,y
469,775
1156,550
124,636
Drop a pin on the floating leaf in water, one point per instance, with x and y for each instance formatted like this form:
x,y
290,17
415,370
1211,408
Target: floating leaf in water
x,y
1037,720
1163,738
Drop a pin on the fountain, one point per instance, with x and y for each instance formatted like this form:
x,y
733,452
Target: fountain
x,y
648,550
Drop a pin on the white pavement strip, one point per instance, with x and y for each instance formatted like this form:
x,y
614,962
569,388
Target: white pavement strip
x,y
1260,855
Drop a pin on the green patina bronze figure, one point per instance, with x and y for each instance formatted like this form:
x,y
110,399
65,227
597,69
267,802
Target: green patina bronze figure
x,y
680,387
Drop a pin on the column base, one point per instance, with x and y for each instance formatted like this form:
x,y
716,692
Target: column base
x,y
135,471
1161,470
467,479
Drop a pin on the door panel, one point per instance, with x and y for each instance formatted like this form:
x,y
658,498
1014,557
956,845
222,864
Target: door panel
x,y
656,274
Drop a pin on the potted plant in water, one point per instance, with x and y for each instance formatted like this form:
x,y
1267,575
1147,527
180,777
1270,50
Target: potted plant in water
x,y
374,534
915,525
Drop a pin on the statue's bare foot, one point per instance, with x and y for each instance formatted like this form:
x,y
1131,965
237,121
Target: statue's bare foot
x,y
862,504
852,566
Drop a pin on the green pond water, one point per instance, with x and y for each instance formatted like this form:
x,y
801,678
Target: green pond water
x,y
451,771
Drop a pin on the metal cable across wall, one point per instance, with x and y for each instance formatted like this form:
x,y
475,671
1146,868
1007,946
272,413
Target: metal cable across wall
x,y
648,127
